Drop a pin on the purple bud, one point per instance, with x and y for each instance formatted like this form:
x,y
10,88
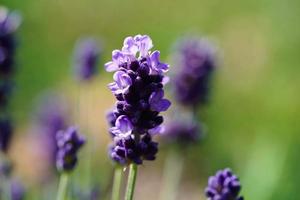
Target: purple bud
x,y
69,142
224,185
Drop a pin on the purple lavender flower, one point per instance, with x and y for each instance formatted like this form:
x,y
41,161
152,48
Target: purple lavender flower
x,y
6,131
195,66
223,186
87,53
17,190
138,87
51,117
9,23
69,142
182,132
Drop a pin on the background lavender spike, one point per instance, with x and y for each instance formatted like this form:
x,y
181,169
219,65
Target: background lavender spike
x,y
195,61
138,87
17,190
182,132
51,116
224,185
69,142
86,56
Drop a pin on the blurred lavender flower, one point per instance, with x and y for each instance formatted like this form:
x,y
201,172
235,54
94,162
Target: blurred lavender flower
x,y
51,117
6,131
87,53
9,23
69,142
195,63
138,86
182,132
223,186
17,190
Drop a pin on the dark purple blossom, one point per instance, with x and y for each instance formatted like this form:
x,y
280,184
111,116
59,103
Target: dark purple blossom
x,y
195,63
223,186
87,53
69,142
9,23
182,132
6,131
138,87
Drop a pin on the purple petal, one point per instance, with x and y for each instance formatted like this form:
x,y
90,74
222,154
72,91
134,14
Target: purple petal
x,y
111,66
156,96
163,105
145,44
123,124
122,79
156,64
130,45
157,130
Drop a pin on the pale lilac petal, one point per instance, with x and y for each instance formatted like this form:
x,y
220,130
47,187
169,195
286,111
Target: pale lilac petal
x,y
130,46
118,57
157,130
111,66
122,79
123,124
165,80
145,45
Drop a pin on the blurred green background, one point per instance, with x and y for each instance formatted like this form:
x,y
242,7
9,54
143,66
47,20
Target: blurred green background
x,y
253,120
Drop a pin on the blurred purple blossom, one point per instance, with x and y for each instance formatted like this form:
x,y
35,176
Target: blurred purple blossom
x,y
86,56
195,61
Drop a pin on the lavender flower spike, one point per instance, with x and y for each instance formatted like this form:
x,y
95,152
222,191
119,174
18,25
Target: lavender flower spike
x,y
195,63
182,132
223,186
69,142
138,87
86,57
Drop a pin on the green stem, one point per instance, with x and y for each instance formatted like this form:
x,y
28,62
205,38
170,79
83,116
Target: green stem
x,y
62,188
131,181
171,175
117,183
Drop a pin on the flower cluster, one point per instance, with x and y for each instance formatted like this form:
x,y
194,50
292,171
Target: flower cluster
x,y
138,87
224,185
9,22
69,142
182,132
195,64
86,56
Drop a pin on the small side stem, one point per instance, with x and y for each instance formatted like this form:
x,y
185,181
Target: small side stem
x,y
131,181
117,183
63,186
171,175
